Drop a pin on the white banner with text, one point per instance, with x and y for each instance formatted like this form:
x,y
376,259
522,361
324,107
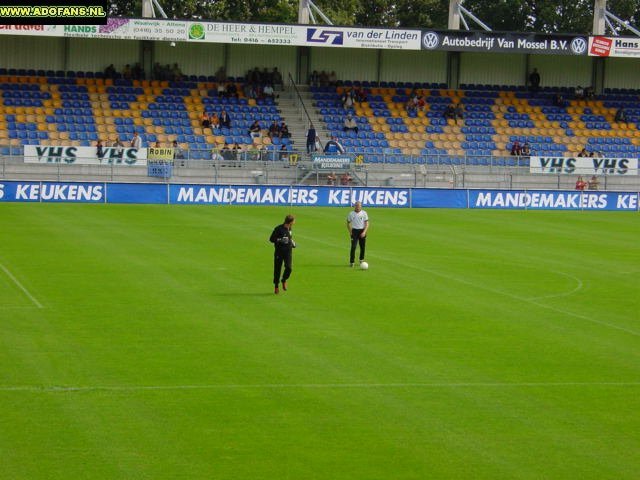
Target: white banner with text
x,y
583,166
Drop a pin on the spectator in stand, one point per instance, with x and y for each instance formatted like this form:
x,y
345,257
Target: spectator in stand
x,y
253,75
534,81
350,124
411,105
284,153
225,121
579,93
589,93
178,152
126,72
214,120
265,76
621,115
110,71
346,179
593,183
333,79
449,112
221,89
255,129
359,95
274,130
157,145
237,153
118,145
157,71
205,121
516,149
525,151
232,90
458,112
584,153
284,131
268,92
176,72
136,141
137,72
276,78
558,100
314,78
333,147
331,179
99,149
216,156
580,184
221,75
324,79
311,139
347,100
226,152
249,90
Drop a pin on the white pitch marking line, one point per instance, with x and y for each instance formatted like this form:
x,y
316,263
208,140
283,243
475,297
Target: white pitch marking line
x,y
136,388
20,286
499,292
565,294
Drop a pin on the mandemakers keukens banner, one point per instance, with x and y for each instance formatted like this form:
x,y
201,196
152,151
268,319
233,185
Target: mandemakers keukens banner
x,y
85,155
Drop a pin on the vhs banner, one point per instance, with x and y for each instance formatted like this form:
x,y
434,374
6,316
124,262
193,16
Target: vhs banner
x,y
85,155
583,166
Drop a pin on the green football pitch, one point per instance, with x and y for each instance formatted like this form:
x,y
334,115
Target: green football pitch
x,y
145,342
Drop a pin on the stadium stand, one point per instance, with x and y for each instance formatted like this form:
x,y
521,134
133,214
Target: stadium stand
x,y
494,117
78,108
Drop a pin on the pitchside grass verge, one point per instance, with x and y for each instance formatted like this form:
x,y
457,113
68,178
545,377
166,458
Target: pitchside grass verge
x,y
479,344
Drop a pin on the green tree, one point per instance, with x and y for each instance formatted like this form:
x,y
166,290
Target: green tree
x,y
550,16
422,13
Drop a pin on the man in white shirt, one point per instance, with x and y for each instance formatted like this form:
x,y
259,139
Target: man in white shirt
x,y
350,124
267,91
358,225
136,141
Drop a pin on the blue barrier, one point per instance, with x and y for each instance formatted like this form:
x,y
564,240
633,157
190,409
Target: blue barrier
x,y
159,169
198,194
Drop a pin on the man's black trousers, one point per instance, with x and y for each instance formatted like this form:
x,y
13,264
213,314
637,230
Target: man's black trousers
x,y
278,259
355,240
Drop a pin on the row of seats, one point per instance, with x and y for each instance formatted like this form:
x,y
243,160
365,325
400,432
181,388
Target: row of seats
x,y
489,113
67,109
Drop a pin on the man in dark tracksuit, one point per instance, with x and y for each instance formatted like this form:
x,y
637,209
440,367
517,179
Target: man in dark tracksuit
x,y
283,243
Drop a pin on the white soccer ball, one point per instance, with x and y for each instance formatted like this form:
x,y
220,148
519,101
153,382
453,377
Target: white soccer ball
x,y
364,265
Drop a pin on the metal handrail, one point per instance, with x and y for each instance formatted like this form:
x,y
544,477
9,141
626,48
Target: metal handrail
x,y
295,87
